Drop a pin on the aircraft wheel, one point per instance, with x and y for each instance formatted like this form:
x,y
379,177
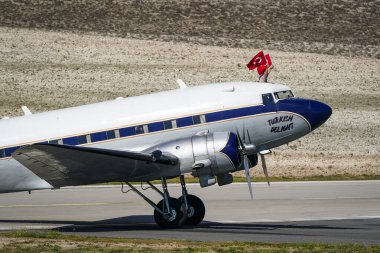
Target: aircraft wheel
x,y
175,219
196,211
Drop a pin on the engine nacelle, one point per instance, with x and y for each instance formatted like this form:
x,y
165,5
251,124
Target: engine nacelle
x,y
206,155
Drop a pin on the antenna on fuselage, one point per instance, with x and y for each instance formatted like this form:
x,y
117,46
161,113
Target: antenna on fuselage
x,y
181,84
26,110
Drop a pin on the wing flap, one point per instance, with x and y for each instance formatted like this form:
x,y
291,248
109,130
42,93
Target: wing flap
x,y
62,165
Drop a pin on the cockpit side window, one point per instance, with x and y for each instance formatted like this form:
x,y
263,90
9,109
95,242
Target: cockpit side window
x,y
284,94
268,99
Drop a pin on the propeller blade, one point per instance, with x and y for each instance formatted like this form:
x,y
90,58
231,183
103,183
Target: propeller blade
x,y
247,176
244,132
265,168
241,143
249,137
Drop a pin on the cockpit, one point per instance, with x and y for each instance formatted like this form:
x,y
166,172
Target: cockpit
x,y
283,94
280,98
268,98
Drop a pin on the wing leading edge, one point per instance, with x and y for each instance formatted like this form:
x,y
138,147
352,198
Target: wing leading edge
x,y
62,165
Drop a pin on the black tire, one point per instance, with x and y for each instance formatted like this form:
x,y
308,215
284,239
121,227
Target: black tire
x,y
179,213
197,210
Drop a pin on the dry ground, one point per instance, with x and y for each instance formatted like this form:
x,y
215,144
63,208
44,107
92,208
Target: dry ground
x,y
47,70
345,27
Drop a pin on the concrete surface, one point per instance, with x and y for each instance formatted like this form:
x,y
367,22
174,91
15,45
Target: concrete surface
x,y
339,212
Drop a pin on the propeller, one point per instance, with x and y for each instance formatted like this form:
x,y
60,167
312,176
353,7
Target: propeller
x,y
245,150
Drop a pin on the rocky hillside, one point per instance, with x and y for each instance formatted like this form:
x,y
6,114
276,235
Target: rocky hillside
x,y
333,27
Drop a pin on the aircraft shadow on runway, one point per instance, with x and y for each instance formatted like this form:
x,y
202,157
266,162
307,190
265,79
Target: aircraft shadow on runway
x,y
146,222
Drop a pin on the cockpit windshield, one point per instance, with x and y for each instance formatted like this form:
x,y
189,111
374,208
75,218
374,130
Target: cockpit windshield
x,y
283,94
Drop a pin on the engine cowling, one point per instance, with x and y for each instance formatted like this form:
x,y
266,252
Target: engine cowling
x,y
206,155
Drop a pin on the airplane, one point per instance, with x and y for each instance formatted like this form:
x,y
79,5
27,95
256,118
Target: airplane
x,y
207,131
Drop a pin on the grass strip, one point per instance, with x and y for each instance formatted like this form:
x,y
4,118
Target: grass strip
x,y
50,241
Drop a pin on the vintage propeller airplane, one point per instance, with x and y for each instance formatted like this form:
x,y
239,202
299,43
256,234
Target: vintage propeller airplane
x,y
208,131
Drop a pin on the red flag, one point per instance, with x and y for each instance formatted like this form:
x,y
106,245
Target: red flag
x,y
261,69
269,60
256,61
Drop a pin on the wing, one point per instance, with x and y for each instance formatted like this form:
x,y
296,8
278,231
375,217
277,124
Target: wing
x,y
62,165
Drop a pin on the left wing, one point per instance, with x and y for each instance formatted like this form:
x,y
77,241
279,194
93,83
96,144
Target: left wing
x,y
62,165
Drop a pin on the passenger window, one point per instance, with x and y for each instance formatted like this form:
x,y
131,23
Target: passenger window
x,y
141,129
268,99
168,124
2,153
59,141
111,134
82,139
199,119
196,120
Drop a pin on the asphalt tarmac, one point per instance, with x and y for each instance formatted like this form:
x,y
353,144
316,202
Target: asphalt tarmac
x,y
332,212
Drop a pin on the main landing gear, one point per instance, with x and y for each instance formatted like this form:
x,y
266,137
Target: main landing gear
x,y
171,212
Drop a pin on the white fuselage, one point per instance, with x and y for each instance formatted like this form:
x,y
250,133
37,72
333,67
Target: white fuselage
x,y
147,111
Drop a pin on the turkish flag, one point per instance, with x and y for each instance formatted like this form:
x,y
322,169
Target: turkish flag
x,y
256,61
261,68
269,60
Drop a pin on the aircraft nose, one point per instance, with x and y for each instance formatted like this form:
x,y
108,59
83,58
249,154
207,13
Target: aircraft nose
x,y
318,113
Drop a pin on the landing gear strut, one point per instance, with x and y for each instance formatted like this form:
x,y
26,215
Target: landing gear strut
x,y
171,212
194,205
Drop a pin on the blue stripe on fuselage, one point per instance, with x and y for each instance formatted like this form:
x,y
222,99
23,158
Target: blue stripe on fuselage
x,y
299,106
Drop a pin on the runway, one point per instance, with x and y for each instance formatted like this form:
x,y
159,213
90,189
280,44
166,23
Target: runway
x,y
332,212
